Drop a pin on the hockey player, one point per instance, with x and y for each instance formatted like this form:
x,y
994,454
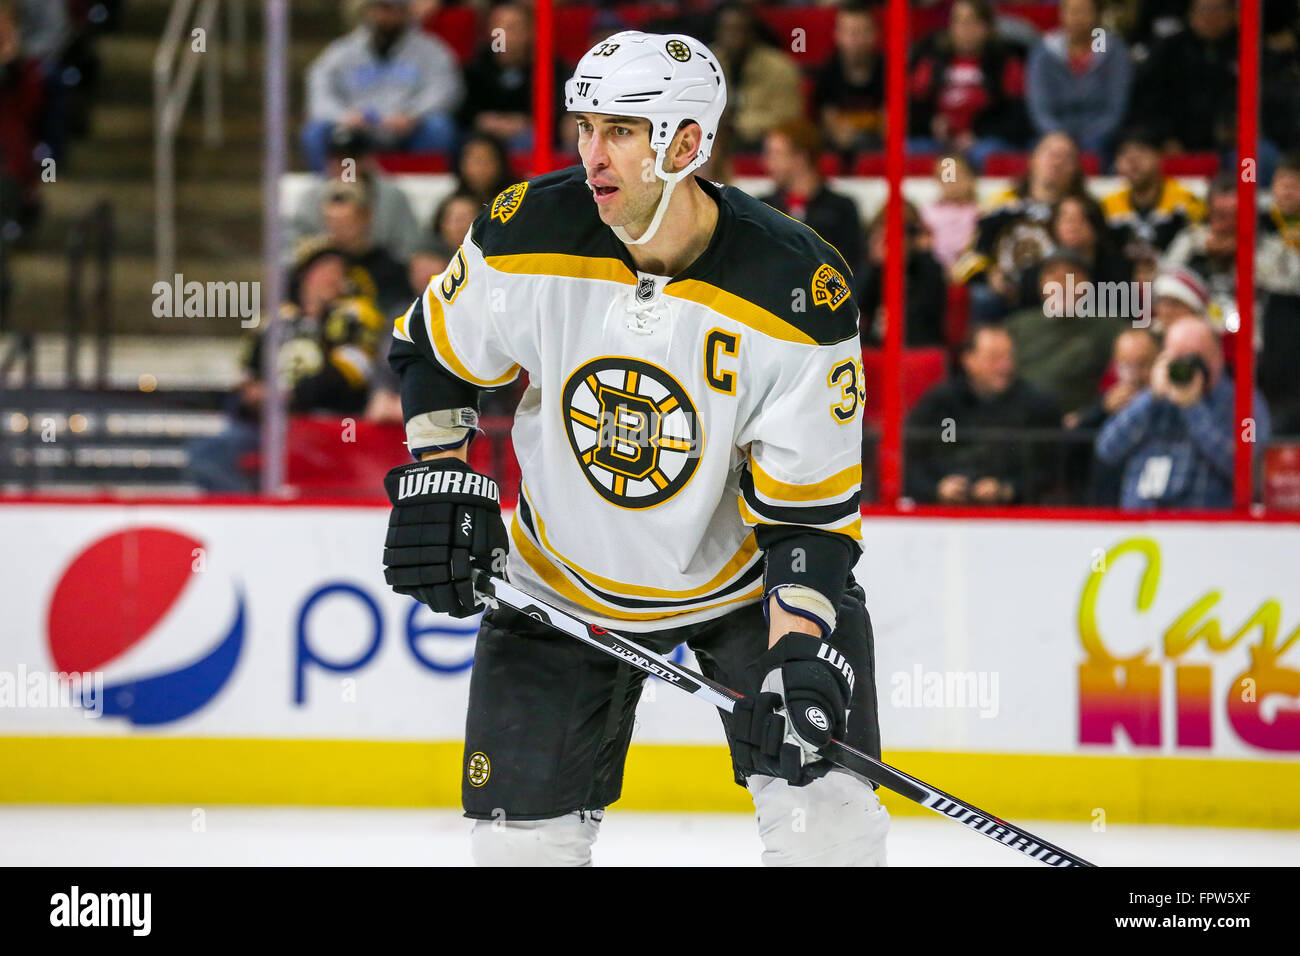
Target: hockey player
x,y
690,449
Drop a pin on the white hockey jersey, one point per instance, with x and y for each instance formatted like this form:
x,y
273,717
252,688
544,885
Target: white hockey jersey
x,y
665,417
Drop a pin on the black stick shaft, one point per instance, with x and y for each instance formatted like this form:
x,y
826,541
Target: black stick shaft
x,y
862,765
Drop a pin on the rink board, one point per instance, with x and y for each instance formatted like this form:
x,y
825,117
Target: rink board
x,y
1144,671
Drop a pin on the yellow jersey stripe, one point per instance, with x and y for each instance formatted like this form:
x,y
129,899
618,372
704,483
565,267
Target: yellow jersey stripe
x,y
561,585
734,566
738,310
836,486
851,525
436,325
566,266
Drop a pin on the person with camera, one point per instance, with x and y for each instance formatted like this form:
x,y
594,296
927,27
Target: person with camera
x,y
1177,439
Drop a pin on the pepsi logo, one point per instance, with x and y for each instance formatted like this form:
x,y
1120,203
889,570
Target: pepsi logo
x,y
117,605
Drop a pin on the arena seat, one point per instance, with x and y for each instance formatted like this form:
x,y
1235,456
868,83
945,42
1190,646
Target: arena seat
x,y
921,369
914,164
1190,164
818,32
573,24
1015,164
638,16
956,317
751,164
391,162
328,456
458,26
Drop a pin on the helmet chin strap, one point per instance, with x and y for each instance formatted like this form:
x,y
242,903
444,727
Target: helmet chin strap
x,y
670,183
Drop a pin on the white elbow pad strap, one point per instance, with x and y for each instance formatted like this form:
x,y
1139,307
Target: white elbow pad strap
x,y
807,603
440,430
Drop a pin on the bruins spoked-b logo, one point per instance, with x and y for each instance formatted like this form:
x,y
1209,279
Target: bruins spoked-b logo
x,y
678,50
829,287
479,769
634,430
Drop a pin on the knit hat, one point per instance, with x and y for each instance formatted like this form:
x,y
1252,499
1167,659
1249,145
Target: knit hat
x,y
1184,285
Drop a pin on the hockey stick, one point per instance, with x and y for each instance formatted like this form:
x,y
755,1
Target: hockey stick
x,y
863,766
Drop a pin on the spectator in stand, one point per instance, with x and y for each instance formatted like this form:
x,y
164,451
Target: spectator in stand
x,y
430,259
394,227
1176,440
1063,344
967,89
762,81
1277,274
1078,226
348,214
452,219
1187,89
22,95
952,219
791,151
482,167
961,441
1014,234
1095,481
385,77
925,299
1150,209
1076,84
1209,249
327,360
500,80
849,92
1178,294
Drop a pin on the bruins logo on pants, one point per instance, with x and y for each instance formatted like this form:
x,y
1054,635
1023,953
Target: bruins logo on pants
x,y
634,430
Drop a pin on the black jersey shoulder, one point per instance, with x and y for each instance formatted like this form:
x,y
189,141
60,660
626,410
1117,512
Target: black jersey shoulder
x,y
553,213
784,267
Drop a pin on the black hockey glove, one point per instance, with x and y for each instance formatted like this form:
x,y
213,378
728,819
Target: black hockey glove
x,y
805,688
446,518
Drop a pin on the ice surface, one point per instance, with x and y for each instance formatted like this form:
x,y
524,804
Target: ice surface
x,y
258,836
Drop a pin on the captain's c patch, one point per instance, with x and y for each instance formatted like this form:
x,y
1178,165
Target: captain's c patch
x,y
508,201
829,287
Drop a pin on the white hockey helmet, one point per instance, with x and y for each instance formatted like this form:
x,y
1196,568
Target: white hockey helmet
x,y
664,78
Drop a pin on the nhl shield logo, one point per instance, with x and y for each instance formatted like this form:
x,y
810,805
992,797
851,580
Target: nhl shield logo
x,y
645,289
505,205
829,287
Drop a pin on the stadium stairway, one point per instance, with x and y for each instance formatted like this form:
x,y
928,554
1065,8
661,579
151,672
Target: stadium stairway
x,y
219,200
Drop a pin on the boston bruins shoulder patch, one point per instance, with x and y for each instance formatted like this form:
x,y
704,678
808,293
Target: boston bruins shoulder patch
x,y
829,287
508,201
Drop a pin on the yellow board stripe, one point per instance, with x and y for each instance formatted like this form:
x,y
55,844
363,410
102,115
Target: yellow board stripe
x,y
566,266
437,328
738,309
672,777
837,485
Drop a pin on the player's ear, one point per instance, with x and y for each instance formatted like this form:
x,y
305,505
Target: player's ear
x,y
685,145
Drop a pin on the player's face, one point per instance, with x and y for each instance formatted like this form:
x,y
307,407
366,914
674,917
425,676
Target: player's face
x,y
616,153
